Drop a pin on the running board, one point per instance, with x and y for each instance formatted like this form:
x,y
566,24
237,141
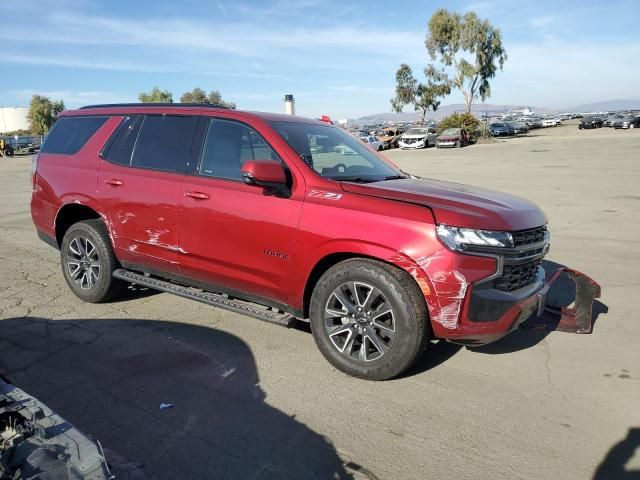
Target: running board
x,y
261,312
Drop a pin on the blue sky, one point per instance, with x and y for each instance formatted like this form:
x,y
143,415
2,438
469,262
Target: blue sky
x,y
336,57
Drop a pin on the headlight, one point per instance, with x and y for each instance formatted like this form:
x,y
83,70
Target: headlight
x,y
455,237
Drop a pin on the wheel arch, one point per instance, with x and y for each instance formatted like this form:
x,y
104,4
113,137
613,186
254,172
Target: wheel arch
x,y
72,213
331,259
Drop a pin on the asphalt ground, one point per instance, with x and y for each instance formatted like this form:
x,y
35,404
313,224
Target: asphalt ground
x,y
254,400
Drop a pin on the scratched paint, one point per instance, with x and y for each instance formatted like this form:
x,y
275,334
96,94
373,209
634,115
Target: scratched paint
x,y
154,236
154,239
444,288
124,217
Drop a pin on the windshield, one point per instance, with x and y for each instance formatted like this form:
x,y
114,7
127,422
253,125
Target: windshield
x,y
417,131
333,153
451,131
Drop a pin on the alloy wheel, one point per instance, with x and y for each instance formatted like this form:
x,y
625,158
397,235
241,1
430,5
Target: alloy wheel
x,y
83,263
360,321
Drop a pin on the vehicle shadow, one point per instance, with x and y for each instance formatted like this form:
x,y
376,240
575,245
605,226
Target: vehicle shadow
x,y
561,294
135,292
436,353
613,464
109,377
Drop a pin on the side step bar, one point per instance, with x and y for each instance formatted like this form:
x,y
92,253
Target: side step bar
x,y
220,300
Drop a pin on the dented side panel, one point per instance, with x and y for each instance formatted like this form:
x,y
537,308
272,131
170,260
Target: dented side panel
x,y
445,278
142,214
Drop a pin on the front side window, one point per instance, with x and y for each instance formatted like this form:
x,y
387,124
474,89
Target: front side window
x,y
164,142
333,153
228,145
70,134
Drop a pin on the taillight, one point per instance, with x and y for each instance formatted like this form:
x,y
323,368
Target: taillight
x,y
34,169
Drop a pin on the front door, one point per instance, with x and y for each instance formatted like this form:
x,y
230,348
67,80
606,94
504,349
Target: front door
x,y
233,235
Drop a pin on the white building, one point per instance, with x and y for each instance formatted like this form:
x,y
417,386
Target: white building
x,y
13,118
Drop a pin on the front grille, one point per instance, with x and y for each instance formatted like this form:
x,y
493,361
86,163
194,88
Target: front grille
x,y
528,237
517,276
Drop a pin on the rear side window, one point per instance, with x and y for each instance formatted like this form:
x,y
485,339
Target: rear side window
x,y
70,134
164,142
121,146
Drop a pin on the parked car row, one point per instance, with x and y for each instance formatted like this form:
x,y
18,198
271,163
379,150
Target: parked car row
x,y
615,120
628,121
506,129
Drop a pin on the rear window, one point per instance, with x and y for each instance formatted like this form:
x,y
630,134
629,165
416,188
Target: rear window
x,y
164,142
70,134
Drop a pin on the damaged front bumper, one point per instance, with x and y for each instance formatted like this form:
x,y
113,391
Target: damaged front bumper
x,y
568,305
563,302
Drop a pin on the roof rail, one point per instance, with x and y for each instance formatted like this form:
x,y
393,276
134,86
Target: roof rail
x,y
154,105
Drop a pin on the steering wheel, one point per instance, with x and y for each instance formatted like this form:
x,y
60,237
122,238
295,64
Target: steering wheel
x,y
344,167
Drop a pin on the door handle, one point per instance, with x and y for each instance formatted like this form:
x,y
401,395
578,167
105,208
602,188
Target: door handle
x,y
197,195
114,182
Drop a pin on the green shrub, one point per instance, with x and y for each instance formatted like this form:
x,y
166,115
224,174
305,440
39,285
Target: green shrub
x,y
463,120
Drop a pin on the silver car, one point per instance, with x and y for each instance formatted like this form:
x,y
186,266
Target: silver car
x,y
418,137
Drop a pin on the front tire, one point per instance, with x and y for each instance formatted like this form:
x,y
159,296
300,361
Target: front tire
x,y
88,262
369,319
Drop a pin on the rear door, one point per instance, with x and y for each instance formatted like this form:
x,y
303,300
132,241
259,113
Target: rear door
x,y
139,184
233,235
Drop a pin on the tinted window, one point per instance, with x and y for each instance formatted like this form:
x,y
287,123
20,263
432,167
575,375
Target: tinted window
x,y
69,134
164,142
228,145
121,146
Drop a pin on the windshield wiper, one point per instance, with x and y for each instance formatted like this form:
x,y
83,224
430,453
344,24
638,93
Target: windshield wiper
x,y
394,177
368,179
354,179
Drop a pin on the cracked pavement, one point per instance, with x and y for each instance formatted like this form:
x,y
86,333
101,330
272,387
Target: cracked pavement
x,y
254,400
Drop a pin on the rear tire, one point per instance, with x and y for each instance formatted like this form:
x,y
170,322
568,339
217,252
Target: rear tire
x,y
369,319
88,262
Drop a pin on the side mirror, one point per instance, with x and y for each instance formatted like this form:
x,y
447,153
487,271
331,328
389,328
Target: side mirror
x,y
267,174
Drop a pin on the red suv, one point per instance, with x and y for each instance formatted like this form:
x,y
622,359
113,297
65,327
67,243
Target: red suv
x,y
281,217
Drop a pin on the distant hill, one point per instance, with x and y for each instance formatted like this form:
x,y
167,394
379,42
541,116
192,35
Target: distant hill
x,y
609,105
443,111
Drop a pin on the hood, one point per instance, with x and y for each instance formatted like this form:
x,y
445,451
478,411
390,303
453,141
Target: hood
x,y
458,205
448,137
415,135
